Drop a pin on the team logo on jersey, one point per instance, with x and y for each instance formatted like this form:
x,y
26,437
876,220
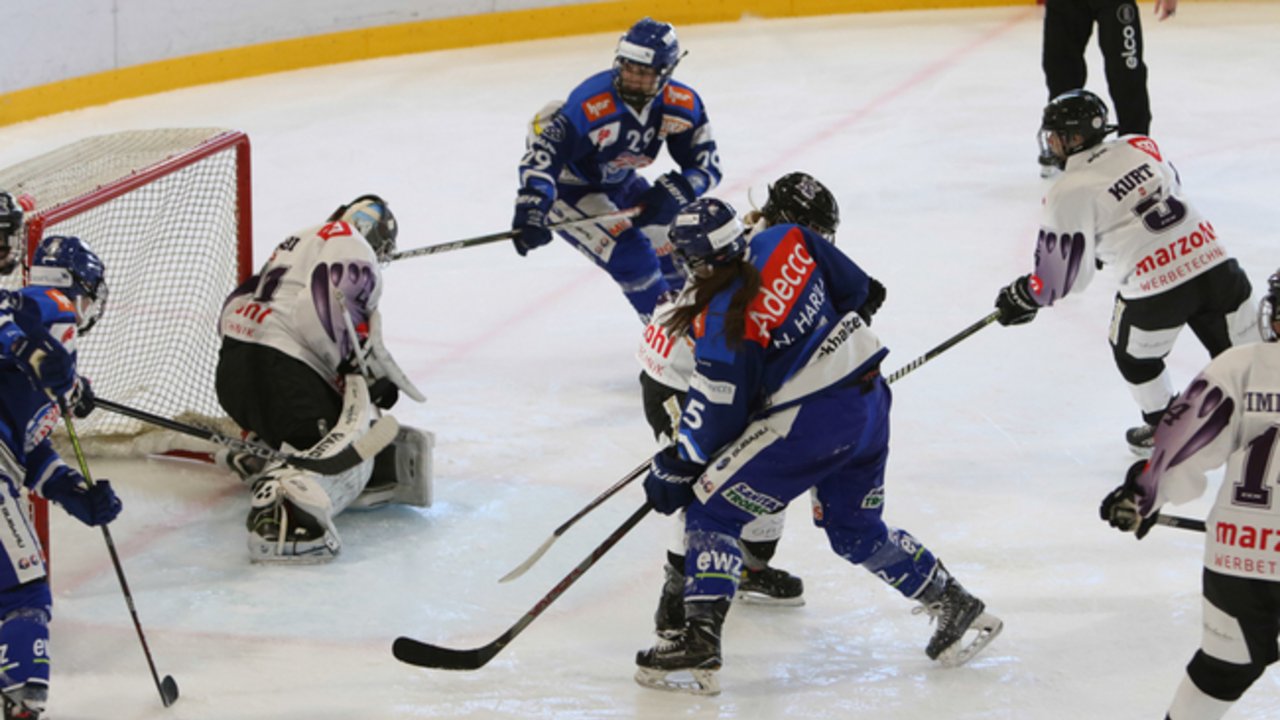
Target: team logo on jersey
x,y
1148,146
599,106
680,97
603,137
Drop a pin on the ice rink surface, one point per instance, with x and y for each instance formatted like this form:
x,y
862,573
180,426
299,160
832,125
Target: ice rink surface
x,y
923,124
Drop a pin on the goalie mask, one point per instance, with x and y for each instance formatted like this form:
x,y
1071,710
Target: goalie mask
x,y
646,56
1073,122
707,233
371,217
800,199
67,263
1269,310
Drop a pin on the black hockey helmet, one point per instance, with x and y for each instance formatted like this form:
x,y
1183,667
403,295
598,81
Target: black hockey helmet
x,y
372,218
799,198
1269,310
1078,118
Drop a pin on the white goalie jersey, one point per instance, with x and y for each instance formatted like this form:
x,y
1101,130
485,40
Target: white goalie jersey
x,y
1229,414
316,286
1121,204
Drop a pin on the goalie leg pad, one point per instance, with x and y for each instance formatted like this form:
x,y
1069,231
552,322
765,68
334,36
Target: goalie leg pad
x,y
402,473
290,520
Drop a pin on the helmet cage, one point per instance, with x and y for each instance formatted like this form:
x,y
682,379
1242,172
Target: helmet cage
x,y
372,218
1269,310
67,263
649,44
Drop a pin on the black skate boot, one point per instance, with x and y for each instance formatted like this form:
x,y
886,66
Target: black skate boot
x,y
957,612
770,586
668,619
696,652
25,702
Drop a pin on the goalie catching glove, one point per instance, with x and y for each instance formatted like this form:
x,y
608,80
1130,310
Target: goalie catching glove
x,y
1120,507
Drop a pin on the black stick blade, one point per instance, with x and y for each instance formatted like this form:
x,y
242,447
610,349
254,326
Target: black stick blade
x,y
168,690
422,654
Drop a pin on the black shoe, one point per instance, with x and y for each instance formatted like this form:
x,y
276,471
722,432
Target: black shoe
x,y
1141,439
770,586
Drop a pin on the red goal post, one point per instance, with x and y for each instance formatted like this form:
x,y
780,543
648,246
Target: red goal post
x,y
170,214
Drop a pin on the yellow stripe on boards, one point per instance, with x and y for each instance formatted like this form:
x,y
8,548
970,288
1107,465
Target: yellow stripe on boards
x,y
416,37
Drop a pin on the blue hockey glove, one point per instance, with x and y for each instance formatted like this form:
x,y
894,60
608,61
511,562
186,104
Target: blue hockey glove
x,y
875,298
669,484
660,203
1120,507
97,505
530,221
1016,304
46,362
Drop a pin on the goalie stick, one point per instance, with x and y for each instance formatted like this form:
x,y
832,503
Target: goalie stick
x,y
508,234
342,449
168,687
415,652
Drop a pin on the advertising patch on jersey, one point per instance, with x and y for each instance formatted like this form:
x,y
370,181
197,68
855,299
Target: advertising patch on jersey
x,y
603,137
334,229
674,126
599,106
784,276
757,503
720,393
680,97
873,499
40,426
1148,146
64,304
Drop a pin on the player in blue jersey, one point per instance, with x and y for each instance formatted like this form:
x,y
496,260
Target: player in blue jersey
x,y
786,396
583,154
38,329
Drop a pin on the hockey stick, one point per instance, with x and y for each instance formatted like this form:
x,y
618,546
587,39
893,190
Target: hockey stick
x,y
508,234
423,654
946,345
168,687
333,455
555,535
1184,523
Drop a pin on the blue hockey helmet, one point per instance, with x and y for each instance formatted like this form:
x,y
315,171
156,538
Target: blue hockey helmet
x,y
707,232
1078,120
372,218
69,264
647,55
1269,310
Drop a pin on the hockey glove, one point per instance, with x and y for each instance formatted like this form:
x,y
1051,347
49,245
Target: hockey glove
x,y
46,363
661,202
669,485
96,505
384,393
1120,507
530,221
875,298
10,223
82,400
1016,304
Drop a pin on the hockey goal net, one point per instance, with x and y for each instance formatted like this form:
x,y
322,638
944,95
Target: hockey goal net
x,y
168,211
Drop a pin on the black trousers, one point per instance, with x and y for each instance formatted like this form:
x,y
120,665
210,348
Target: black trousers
x,y
1068,25
274,395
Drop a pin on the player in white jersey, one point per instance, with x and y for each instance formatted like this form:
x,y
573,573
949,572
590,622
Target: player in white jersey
x,y
668,363
1229,414
1120,204
295,335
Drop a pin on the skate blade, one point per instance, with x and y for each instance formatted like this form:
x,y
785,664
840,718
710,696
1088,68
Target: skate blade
x,y
985,628
749,597
1142,452
698,682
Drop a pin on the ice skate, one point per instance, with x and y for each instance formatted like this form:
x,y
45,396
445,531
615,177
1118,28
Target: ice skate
x,y
688,661
668,619
1141,439
247,467
280,531
770,586
25,702
957,613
